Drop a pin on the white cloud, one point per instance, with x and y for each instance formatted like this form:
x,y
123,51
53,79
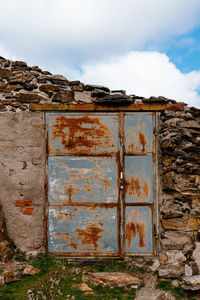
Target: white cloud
x,y
145,74
61,35
65,30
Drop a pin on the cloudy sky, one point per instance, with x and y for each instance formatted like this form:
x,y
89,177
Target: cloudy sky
x,y
146,47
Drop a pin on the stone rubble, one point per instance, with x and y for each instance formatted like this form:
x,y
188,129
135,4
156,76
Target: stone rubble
x,y
191,283
174,265
150,292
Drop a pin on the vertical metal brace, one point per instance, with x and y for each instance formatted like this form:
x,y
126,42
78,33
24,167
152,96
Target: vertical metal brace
x,y
156,165
45,128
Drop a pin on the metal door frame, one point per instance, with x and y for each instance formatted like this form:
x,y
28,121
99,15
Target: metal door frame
x,y
121,195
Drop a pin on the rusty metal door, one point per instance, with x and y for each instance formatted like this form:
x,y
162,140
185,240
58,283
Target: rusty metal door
x,y
100,183
140,178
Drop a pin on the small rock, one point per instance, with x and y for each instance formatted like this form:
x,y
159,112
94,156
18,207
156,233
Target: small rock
x,y
150,292
59,79
188,270
165,296
155,265
191,283
9,276
174,266
29,97
63,97
84,287
138,101
175,257
190,124
77,86
49,87
83,97
36,68
175,283
117,99
174,240
98,93
162,258
30,270
118,92
91,87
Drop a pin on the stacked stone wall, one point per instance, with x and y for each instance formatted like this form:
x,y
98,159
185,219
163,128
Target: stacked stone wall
x,y
21,85
179,139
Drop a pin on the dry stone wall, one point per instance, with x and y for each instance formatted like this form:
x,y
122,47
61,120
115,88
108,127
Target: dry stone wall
x,y
179,138
22,165
21,85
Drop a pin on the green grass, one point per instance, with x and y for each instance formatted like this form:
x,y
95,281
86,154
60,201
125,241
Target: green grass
x,y
20,256
70,275
17,290
110,266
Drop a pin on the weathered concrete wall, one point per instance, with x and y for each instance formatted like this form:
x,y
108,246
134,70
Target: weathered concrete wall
x,y
22,177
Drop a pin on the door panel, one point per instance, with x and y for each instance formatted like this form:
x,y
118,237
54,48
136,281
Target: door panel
x,y
83,192
82,179
83,229
138,130
139,194
77,134
138,230
139,179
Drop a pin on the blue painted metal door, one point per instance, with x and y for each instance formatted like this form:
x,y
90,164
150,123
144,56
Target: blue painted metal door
x,y
139,156
100,183
83,192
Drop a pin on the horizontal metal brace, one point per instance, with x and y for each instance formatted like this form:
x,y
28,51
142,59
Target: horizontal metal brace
x,y
104,108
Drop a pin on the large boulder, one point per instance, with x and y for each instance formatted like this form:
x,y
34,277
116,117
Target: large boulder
x,y
112,279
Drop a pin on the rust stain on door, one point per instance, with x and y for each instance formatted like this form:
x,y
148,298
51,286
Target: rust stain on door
x,y
90,235
82,134
137,186
75,132
142,140
136,228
